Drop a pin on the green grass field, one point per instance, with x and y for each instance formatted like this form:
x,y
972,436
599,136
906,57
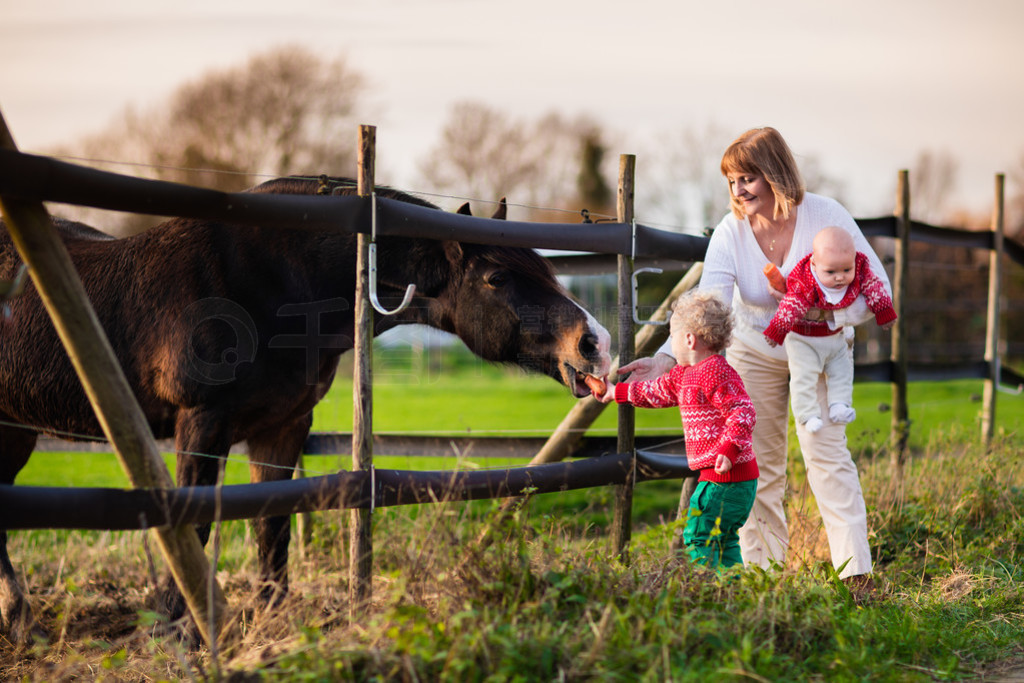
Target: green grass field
x,y
460,395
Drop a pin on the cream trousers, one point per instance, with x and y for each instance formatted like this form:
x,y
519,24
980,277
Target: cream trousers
x,y
809,359
831,472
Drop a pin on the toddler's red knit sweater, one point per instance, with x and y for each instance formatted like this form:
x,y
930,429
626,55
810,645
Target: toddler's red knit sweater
x,y
718,416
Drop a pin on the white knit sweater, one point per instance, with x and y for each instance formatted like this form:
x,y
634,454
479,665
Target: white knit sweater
x,y
734,262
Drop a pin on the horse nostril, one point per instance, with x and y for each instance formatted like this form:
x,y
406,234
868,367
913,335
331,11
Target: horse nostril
x,y
588,345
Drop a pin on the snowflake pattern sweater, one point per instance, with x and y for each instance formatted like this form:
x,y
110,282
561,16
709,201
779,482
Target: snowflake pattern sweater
x,y
804,292
718,416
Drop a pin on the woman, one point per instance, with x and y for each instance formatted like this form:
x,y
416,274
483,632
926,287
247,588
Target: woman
x,y
774,219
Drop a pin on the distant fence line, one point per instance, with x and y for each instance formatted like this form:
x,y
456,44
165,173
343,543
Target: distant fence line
x,y
41,178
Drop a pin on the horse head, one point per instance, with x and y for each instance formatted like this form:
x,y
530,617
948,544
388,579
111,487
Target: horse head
x,y
507,306
505,303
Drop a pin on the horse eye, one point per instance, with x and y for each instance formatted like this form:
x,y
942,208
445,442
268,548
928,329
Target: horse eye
x,y
498,278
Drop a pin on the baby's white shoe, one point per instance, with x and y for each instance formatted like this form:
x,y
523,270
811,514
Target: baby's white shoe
x,y
813,424
841,413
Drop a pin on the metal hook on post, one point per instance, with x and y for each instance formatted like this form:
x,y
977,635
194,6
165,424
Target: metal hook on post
x,y
635,287
632,278
409,291
1005,388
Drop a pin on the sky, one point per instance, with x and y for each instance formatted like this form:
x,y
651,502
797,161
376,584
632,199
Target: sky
x,y
862,87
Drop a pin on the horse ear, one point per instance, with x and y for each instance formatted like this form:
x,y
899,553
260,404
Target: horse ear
x,y
464,210
453,251
502,211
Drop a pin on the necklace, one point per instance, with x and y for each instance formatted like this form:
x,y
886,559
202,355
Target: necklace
x,y
771,246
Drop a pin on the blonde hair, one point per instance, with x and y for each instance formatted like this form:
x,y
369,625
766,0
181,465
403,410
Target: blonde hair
x,y
763,152
704,314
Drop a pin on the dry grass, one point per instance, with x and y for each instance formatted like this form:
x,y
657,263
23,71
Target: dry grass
x,y
92,590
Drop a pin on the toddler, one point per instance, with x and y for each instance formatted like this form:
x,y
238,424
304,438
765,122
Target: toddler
x,y
718,418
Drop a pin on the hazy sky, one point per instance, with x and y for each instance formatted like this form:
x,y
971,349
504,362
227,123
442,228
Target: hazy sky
x,y
862,86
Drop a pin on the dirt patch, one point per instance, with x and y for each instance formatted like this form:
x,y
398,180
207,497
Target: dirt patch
x,y
1005,671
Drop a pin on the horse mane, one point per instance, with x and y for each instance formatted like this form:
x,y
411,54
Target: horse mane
x,y
331,185
69,229
521,259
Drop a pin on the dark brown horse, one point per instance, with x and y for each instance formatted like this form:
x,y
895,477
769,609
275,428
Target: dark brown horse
x,y
229,333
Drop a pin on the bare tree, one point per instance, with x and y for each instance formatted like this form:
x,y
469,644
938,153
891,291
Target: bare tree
x,y
591,183
687,189
1015,201
285,111
932,179
816,180
484,153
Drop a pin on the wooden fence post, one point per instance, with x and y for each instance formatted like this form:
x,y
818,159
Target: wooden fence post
x,y
900,422
569,433
622,521
303,520
361,538
995,283
117,411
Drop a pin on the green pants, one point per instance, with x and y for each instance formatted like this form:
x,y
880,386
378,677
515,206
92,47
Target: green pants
x,y
717,511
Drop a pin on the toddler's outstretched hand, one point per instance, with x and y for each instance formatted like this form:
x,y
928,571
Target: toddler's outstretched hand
x,y
609,392
722,464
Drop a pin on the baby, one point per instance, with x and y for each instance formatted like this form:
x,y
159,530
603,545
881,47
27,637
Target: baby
x,y
831,277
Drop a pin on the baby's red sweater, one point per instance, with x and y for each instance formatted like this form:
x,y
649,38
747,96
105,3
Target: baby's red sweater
x,y
718,416
803,292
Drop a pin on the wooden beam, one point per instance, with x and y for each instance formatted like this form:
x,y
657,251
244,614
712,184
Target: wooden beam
x,y
623,519
361,538
119,415
900,431
995,284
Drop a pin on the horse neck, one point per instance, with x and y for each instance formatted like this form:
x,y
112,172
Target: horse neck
x,y
400,262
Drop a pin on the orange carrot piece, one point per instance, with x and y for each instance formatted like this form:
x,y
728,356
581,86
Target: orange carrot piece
x,y
596,385
775,279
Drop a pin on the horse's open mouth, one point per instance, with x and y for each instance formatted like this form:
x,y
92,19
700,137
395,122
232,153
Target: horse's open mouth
x,y
584,384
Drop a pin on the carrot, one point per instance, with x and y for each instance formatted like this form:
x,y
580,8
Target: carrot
x,y
775,279
596,385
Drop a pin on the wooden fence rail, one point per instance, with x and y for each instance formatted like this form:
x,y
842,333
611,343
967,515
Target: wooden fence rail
x,y
26,176
42,507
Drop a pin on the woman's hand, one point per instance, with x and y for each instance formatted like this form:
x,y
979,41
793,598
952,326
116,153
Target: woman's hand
x,y
779,296
648,368
818,315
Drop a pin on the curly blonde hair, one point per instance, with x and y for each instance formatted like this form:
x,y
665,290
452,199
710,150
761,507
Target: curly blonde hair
x,y
705,315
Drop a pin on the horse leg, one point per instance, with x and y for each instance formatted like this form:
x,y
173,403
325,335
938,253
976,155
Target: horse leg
x,y
16,619
272,457
202,445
